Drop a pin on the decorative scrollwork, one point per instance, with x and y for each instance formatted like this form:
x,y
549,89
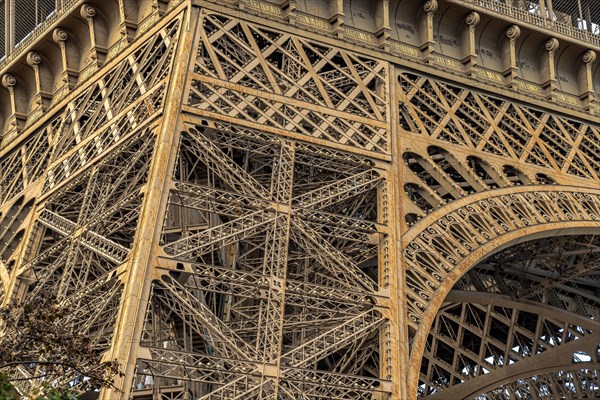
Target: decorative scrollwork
x,y
513,32
552,45
441,246
430,6
33,58
472,19
8,81
87,11
589,57
59,35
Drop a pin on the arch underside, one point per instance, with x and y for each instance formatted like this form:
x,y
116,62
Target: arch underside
x,y
274,272
451,240
480,175
523,324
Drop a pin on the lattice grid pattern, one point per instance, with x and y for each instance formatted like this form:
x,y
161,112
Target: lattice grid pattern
x,y
93,159
268,279
489,124
319,91
266,264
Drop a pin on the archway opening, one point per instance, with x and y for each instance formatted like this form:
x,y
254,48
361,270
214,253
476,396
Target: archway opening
x,y
522,323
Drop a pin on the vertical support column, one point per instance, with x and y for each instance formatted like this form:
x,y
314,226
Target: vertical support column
x,y
270,330
585,79
88,13
468,42
397,362
548,67
336,16
9,82
9,26
289,10
587,15
127,27
550,12
426,29
388,332
140,270
59,36
34,60
543,14
509,54
382,20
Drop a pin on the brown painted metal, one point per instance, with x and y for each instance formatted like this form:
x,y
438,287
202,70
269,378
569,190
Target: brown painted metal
x,y
293,200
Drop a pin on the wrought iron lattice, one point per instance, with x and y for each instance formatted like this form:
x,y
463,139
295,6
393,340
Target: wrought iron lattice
x,y
237,206
91,162
513,310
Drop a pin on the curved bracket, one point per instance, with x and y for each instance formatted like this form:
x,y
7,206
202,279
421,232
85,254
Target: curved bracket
x,y
451,240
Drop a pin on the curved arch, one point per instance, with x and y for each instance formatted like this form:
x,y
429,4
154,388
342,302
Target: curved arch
x,y
467,394
488,41
528,55
468,296
404,16
451,240
515,175
449,24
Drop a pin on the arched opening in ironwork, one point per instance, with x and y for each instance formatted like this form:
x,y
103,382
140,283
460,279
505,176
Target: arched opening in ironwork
x,y
521,323
444,246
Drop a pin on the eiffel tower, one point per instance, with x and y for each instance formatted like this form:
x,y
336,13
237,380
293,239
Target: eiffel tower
x,y
310,199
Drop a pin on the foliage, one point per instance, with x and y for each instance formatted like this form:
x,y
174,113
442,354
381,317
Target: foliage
x,y
8,392
43,351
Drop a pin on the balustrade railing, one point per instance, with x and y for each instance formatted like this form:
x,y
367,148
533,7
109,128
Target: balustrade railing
x,y
536,18
500,6
63,8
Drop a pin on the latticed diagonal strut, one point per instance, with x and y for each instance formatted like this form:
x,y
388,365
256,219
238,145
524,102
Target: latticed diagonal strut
x,y
206,151
212,200
270,313
270,326
346,271
250,224
197,367
204,322
92,240
306,354
273,214
314,349
246,284
222,202
204,242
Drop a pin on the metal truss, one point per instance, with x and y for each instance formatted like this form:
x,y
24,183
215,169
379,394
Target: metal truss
x,y
485,123
92,157
447,241
319,91
266,286
511,329
236,208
